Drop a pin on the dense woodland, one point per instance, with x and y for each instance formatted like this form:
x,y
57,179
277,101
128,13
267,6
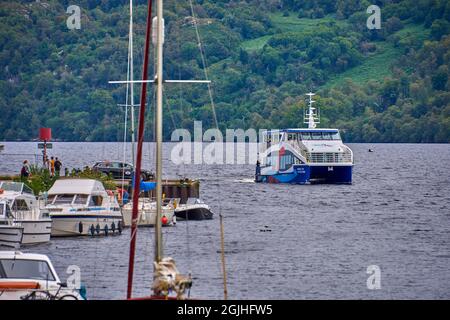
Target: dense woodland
x,y
387,85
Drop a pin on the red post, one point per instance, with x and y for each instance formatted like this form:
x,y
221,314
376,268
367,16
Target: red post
x,y
137,169
45,134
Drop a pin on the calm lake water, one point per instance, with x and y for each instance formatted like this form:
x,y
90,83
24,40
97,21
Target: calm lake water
x,y
322,238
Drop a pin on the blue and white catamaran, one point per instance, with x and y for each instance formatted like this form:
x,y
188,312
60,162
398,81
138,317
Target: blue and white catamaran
x,y
302,156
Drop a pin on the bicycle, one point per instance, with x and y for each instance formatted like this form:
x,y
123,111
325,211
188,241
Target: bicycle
x,y
46,295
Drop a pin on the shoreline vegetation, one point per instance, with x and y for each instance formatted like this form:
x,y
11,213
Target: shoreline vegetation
x,y
387,85
40,179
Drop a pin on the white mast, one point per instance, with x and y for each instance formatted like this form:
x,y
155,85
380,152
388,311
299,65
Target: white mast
x,y
311,115
133,138
159,103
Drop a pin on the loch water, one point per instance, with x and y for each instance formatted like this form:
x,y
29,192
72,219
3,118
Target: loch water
x,y
281,241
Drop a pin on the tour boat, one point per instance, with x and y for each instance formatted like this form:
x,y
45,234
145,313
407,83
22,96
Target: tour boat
x,y
300,156
193,209
83,207
29,276
27,211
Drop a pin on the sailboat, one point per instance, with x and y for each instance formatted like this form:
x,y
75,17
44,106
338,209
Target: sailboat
x,y
147,206
166,277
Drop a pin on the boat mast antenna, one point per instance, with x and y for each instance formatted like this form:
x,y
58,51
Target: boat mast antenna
x,y
312,117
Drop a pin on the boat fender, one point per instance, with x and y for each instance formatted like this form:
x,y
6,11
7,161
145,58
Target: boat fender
x,y
119,227
97,228
105,229
113,227
80,227
92,229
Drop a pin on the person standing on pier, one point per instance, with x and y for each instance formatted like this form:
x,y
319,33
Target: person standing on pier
x,y
25,172
58,166
52,166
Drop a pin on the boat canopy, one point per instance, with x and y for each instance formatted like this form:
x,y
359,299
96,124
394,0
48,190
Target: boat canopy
x,y
76,186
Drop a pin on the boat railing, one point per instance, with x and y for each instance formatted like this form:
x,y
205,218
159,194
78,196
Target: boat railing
x,y
329,157
323,157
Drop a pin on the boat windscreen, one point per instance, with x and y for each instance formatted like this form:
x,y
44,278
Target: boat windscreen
x,y
11,186
25,269
63,199
80,199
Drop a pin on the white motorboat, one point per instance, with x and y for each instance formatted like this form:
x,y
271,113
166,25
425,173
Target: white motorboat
x,y
147,213
10,233
83,207
193,209
28,276
27,212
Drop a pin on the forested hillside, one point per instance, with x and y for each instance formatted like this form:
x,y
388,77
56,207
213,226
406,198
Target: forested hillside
x,y
387,85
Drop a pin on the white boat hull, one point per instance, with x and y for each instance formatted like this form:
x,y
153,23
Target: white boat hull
x,y
64,225
35,231
147,216
11,236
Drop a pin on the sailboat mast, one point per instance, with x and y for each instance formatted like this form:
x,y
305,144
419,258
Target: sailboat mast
x,y
133,136
159,102
137,171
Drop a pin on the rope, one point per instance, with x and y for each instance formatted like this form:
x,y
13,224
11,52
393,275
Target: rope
x,y
217,127
205,69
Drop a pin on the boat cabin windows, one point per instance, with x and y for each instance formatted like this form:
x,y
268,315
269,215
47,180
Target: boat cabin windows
x,y
63,199
11,186
320,135
19,205
15,187
95,201
286,160
25,269
3,213
80,199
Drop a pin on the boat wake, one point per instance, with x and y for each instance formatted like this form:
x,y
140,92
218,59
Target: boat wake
x,y
245,180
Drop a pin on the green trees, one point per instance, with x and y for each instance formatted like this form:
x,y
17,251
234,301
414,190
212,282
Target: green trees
x,y
50,76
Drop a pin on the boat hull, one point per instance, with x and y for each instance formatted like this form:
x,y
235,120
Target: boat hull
x,y
147,217
65,225
199,213
35,231
304,174
11,236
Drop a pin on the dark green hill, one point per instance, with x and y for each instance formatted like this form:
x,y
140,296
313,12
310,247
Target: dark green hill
x,y
388,85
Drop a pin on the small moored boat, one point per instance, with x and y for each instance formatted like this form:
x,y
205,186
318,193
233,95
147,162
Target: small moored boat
x,y
11,234
83,207
193,209
27,212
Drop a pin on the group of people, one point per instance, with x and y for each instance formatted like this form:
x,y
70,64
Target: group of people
x,y
53,164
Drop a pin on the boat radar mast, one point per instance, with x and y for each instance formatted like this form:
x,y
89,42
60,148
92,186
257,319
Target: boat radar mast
x,y
312,116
